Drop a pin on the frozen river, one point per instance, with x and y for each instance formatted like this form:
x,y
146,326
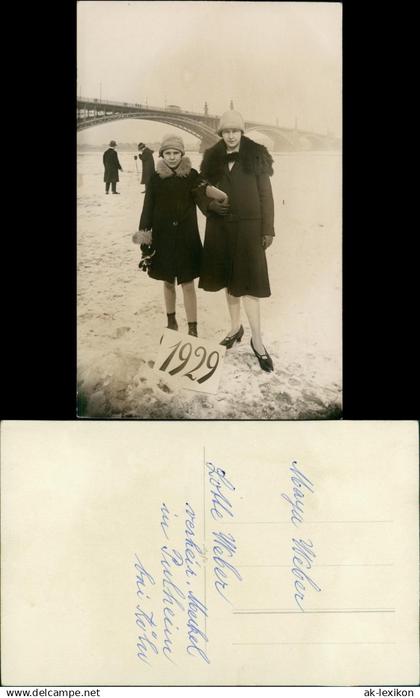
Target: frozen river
x,y
121,312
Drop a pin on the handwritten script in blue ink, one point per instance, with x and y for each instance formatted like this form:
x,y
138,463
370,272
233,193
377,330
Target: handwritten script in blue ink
x,y
300,483
221,505
195,633
144,619
224,543
193,553
303,553
197,610
180,621
303,556
171,559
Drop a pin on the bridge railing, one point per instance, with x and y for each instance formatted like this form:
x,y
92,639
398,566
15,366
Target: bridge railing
x,y
136,105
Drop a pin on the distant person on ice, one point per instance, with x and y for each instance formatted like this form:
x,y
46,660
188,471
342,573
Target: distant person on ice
x,y
168,230
238,233
111,165
148,164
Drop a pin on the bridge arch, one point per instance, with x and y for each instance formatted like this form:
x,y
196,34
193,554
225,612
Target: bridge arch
x,y
281,140
191,126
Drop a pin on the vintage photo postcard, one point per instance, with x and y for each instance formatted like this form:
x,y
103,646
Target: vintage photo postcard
x,y
227,553
209,210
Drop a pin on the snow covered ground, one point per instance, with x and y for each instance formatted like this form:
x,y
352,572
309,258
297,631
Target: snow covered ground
x,y
121,313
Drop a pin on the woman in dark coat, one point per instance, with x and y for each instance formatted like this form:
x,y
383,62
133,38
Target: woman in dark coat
x,y
111,165
238,232
168,224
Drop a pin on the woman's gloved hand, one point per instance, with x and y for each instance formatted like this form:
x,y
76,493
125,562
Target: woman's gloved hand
x,y
218,207
147,252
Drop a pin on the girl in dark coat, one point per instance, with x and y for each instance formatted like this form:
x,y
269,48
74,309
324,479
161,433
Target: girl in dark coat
x,y
238,233
168,224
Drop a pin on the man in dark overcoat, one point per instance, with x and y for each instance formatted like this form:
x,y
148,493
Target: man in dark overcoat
x,y
148,164
111,165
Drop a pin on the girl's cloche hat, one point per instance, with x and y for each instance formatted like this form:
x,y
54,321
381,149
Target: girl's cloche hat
x,y
172,142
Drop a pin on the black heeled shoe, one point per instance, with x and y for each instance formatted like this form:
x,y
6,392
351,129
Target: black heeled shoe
x,y
264,360
228,342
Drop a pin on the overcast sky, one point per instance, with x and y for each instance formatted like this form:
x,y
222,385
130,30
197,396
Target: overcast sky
x,y
273,59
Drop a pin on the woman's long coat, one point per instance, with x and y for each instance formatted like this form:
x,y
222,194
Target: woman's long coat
x,y
148,165
169,210
112,165
233,255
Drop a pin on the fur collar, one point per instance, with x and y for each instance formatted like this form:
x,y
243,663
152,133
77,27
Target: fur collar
x,y
255,159
183,169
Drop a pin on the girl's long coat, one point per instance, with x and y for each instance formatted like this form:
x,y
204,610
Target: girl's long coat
x,y
111,165
233,256
169,210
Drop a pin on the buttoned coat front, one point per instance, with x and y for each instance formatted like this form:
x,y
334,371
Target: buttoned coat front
x,y
169,210
233,254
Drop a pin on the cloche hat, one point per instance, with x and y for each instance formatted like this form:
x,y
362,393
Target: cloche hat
x,y
172,141
231,119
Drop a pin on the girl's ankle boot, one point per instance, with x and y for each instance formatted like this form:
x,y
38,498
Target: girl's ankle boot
x,y
172,323
192,329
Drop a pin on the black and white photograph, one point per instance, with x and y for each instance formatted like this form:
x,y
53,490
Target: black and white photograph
x,y
209,210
